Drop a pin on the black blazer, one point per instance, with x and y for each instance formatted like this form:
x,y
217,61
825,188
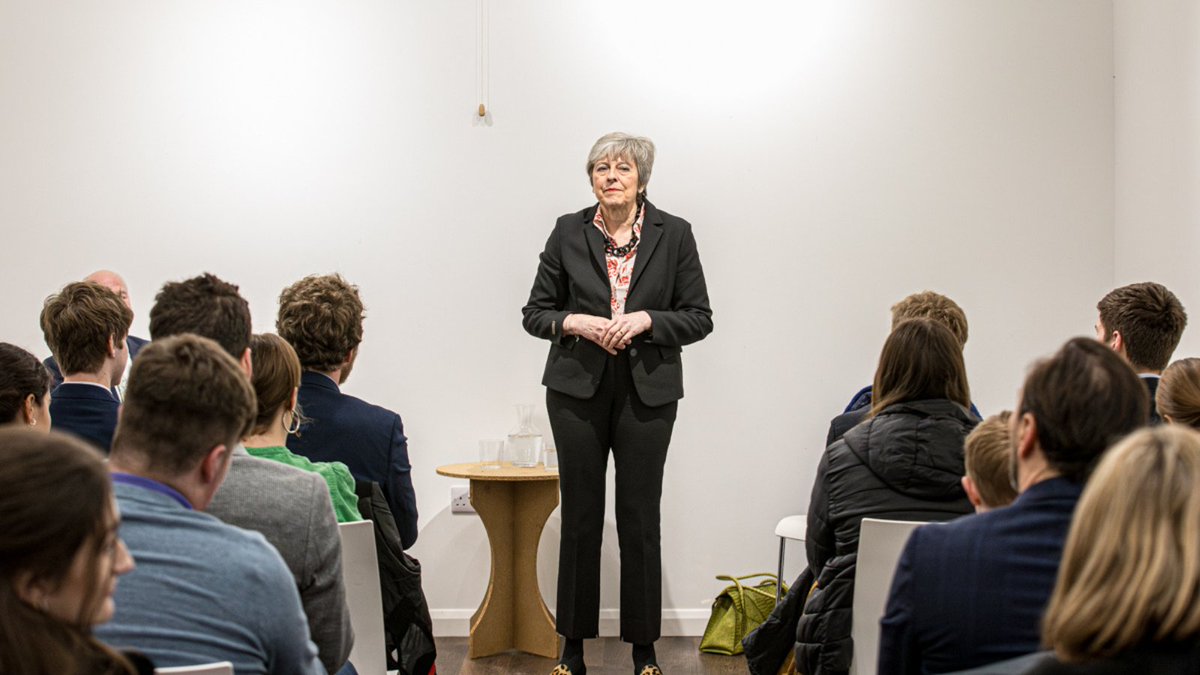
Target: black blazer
x,y
668,283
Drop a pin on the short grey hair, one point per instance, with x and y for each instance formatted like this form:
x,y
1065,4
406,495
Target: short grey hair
x,y
638,149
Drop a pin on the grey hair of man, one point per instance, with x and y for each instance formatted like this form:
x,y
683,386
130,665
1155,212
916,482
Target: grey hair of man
x,y
618,145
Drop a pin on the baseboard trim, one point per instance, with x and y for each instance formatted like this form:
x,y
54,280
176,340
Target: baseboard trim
x,y
675,622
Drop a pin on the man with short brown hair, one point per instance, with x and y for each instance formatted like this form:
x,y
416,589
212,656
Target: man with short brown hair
x,y
204,305
85,326
321,316
1143,323
203,591
113,282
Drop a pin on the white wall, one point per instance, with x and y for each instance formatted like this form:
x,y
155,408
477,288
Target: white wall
x,y
1157,233
833,157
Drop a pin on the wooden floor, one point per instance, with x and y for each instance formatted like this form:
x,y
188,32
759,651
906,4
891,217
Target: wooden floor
x,y
604,656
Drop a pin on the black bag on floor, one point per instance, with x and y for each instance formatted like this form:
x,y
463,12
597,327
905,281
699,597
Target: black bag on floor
x,y
407,626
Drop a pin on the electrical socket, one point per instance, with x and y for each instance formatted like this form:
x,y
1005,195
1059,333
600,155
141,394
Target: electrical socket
x,y
460,499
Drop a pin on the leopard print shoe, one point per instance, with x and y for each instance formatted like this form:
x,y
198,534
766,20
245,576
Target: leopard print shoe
x,y
650,669
564,669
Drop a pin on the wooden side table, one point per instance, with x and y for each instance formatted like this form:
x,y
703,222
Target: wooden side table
x,y
513,504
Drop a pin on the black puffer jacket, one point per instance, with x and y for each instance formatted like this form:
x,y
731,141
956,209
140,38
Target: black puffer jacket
x,y
906,463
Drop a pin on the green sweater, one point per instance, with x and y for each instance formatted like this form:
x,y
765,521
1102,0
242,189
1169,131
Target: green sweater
x,y
336,475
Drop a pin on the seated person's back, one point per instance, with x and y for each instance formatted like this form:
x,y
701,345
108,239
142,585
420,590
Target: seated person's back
x,y
1128,598
85,326
904,463
276,380
203,591
321,317
290,507
972,592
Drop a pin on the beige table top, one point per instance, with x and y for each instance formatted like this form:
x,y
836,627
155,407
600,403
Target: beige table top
x,y
506,472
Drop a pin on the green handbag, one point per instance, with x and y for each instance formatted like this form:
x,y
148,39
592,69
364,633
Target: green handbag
x,y
738,610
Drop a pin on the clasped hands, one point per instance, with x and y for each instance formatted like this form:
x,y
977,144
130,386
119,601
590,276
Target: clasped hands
x,y
610,334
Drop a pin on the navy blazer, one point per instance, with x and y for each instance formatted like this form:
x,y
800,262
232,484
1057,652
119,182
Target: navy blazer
x,y
667,283
135,345
85,410
366,438
972,591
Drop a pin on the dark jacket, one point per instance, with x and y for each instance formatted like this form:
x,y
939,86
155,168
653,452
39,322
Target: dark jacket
x,y
408,628
86,411
668,283
972,592
857,411
906,463
367,438
1160,659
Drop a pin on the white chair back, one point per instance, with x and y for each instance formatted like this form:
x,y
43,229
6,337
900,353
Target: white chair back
x,y
220,668
880,543
360,570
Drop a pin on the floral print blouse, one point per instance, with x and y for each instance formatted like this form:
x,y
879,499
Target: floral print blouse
x,y
620,268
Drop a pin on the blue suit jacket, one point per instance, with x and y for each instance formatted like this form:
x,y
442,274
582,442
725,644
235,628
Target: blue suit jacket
x,y
972,591
366,438
86,411
135,345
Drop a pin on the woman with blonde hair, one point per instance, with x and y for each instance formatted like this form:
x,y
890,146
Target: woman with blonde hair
x,y
1178,395
1128,593
61,557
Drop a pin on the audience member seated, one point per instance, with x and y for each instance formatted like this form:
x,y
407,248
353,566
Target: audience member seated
x,y
1178,394
113,282
322,316
61,557
1143,323
276,384
290,507
1128,594
203,590
988,482
971,592
24,389
905,462
85,326
923,305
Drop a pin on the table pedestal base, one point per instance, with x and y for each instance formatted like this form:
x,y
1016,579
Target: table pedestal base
x,y
512,614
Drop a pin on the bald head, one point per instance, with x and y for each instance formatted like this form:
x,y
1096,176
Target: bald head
x,y
112,281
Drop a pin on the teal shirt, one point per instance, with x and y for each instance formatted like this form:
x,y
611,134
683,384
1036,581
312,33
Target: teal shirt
x,y
336,475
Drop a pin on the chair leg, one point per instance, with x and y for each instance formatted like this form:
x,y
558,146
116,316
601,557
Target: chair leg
x,y
779,575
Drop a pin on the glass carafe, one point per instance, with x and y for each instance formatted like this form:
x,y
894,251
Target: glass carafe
x,y
525,442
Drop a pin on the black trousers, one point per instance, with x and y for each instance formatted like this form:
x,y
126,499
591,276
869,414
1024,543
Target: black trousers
x,y
638,435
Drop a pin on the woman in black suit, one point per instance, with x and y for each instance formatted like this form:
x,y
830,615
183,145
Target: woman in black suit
x,y
619,291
